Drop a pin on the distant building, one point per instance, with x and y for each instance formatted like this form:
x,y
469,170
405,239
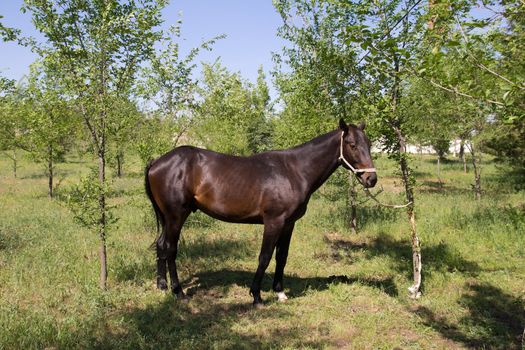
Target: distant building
x,y
455,145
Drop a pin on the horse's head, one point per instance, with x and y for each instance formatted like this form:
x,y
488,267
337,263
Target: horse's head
x,y
355,153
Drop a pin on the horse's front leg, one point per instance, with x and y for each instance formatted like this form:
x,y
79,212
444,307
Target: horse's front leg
x,y
281,254
272,231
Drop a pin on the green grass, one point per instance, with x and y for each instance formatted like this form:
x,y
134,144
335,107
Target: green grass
x,y
345,290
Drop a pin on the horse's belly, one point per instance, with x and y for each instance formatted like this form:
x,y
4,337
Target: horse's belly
x,y
231,207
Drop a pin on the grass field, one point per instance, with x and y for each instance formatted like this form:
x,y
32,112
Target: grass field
x,y
346,291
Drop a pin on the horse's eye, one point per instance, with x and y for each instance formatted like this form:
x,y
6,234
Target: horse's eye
x,y
352,146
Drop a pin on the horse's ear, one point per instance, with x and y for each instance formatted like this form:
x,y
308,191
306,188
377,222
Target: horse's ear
x,y
342,125
362,125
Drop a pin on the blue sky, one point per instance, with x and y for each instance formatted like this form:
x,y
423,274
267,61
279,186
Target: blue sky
x,y
250,27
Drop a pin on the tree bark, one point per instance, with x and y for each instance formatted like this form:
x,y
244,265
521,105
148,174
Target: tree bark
x,y
119,163
352,198
414,290
477,172
50,170
439,170
102,172
523,339
462,155
102,211
432,20
15,164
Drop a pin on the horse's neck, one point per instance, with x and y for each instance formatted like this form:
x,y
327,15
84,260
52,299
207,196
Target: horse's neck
x,y
319,159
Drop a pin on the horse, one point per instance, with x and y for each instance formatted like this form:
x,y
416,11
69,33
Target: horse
x,y
270,188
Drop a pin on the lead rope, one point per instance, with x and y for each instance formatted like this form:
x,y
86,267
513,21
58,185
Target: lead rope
x,y
383,204
367,170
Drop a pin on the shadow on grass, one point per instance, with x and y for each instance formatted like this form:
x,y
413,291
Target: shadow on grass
x,y
445,161
9,239
376,215
487,216
444,188
495,319
138,271
135,174
437,258
208,324
506,179
297,286
419,173
59,174
210,250
220,249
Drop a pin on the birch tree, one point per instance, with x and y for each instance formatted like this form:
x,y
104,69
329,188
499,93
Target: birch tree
x,y
381,38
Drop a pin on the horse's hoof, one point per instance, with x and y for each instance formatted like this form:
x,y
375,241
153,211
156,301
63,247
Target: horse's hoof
x,y
281,297
258,305
182,297
162,285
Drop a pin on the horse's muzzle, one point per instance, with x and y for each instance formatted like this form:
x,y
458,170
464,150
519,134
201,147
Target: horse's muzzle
x,y
369,179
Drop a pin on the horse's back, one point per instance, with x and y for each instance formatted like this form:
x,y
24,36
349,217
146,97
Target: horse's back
x,y
230,188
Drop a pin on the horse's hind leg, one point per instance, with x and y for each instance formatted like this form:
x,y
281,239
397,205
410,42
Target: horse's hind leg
x,y
162,260
167,252
281,254
175,228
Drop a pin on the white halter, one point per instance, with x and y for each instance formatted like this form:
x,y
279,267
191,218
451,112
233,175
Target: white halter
x,y
354,170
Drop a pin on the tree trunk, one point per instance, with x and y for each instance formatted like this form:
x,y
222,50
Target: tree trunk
x,y
102,211
15,164
432,20
408,182
461,149
50,170
120,157
352,198
439,170
477,172
414,291
462,155
523,339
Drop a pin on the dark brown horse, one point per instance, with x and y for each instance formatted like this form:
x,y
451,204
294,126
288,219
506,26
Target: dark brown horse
x,y
271,188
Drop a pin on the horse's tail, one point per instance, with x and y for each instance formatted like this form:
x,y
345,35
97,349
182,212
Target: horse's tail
x,y
159,217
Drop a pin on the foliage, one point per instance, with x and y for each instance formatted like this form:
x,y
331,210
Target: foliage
x,y
260,130
7,33
122,131
82,199
505,140
317,75
11,123
168,89
233,116
50,124
167,81
155,137
477,60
